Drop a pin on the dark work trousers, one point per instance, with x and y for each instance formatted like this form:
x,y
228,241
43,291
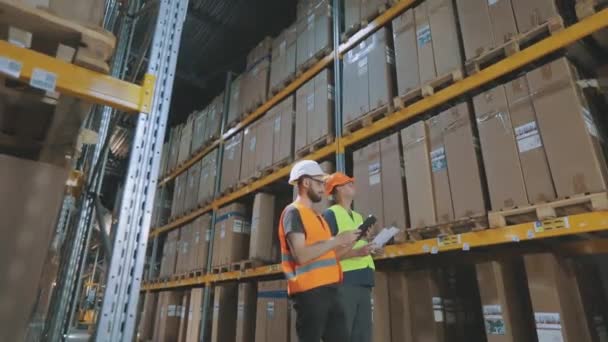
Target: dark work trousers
x,y
356,301
320,316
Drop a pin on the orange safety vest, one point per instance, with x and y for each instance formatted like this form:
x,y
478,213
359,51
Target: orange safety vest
x,y
324,270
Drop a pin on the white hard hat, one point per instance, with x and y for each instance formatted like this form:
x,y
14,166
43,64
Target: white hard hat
x,y
305,168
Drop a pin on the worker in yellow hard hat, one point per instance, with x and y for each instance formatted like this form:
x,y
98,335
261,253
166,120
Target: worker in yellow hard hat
x,y
357,264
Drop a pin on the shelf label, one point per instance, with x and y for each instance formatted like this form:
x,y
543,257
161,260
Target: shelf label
x,y
551,224
275,268
10,67
449,240
43,79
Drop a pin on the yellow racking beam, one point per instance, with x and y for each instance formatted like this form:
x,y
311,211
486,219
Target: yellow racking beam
x,y
551,228
544,47
82,83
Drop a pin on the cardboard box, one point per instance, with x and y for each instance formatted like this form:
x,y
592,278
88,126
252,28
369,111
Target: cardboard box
x,y
467,186
530,14
368,174
369,76
201,231
406,52
283,130
446,39
248,156
185,140
283,59
206,190
556,299
145,329
463,302
231,162
352,15
400,307
263,228
183,317
169,257
418,176
234,105
442,195
183,250
195,308
505,301
499,149
381,320
223,327
174,142
273,312
198,131
254,89
192,187
264,144
568,130
532,156
214,118
169,316
424,37
314,110
314,31
428,317
179,194
246,312
393,185
232,230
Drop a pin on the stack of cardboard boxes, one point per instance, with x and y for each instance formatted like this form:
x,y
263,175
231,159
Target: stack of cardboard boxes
x,y
206,187
369,76
273,317
231,162
314,111
263,229
254,83
246,312
358,12
283,60
223,326
232,230
314,31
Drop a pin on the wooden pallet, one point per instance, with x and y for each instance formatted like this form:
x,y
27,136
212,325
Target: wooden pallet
x,y
247,181
313,60
543,211
281,85
367,119
264,172
514,45
228,190
197,273
465,225
281,164
247,264
315,146
428,89
93,47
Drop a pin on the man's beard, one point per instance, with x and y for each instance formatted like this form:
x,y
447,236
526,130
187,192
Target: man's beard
x,y
314,197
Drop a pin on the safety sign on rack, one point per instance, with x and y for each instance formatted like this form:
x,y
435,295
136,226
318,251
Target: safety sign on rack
x,y
449,240
551,224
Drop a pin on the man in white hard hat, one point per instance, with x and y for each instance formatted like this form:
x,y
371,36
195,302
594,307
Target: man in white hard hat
x,y
309,259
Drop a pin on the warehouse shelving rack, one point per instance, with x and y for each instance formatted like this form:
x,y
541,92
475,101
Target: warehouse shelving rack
x,y
560,227
150,101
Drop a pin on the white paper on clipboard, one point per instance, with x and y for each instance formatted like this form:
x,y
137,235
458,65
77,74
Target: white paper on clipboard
x,y
384,236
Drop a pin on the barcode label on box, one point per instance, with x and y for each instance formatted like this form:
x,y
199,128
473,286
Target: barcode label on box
x,y
527,137
10,67
374,173
240,310
492,2
548,327
277,124
43,79
438,161
310,102
424,35
252,144
438,309
493,320
330,92
208,235
270,309
362,66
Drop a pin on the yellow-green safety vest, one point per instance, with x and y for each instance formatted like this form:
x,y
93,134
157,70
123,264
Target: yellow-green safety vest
x,y
346,223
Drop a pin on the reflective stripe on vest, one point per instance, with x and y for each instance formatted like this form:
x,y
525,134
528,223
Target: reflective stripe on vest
x,y
346,223
324,270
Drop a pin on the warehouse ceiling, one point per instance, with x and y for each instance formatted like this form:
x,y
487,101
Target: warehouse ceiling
x,y
216,38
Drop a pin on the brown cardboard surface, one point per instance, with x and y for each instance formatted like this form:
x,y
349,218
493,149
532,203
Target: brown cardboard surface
x,y
476,27
205,182
260,316
531,13
503,21
320,124
532,156
419,184
555,298
462,154
428,316
223,326
393,184
283,60
232,233
145,329
160,313
231,162
198,131
164,159
234,107
214,120
273,312
185,140
505,301
264,143
368,175
400,308
183,317
352,14
174,140
568,130
499,148
283,130
194,315
439,168
202,236
246,312
381,320
170,316
249,147
304,108
406,52
179,193
424,37
314,31
446,40
192,187
262,228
